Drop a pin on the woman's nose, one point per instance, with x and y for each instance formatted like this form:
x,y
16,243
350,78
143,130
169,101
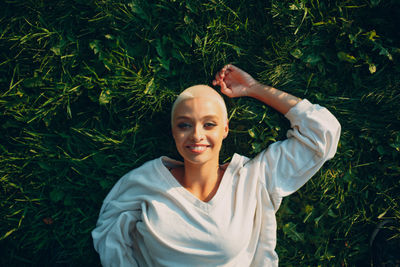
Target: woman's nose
x,y
198,134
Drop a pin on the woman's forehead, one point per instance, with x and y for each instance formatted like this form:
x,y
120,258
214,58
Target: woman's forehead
x,y
199,107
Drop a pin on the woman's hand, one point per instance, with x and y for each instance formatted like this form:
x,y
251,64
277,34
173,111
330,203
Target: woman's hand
x,y
233,81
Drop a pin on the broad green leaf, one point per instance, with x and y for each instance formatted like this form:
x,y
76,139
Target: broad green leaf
x,y
187,20
45,166
95,46
105,97
56,50
309,208
256,147
191,7
198,41
346,57
109,37
372,68
68,200
375,2
186,38
372,35
289,229
164,63
159,48
252,133
138,11
56,195
395,146
297,53
380,150
352,38
332,214
105,184
383,51
312,59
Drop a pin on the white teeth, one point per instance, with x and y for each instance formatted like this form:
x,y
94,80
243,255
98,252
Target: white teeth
x,y
198,148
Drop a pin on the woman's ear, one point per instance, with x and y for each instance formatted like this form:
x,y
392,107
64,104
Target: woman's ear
x,y
226,129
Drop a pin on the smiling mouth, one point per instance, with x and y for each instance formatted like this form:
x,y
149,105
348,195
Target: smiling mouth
x,y
197,149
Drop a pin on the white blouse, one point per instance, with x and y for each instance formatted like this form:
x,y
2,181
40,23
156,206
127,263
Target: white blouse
x,y
149,219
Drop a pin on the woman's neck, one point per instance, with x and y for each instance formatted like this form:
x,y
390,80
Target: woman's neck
x,y
202,180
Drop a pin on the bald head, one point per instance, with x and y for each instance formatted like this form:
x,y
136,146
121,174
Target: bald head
x,y
201,91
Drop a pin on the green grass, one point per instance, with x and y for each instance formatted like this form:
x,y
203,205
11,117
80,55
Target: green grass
x,y
86,91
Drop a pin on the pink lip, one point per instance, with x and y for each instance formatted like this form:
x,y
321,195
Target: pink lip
x,y
194,151
197,145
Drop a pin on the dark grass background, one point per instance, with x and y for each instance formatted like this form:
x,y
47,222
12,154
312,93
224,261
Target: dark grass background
x,y
86,89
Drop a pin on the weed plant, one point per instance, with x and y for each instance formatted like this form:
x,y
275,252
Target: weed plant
x,y
86,88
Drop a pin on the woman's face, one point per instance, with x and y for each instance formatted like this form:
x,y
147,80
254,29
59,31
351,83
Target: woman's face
x,y
198,129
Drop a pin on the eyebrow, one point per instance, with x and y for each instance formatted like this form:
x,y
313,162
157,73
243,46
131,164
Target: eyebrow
x,y
215,117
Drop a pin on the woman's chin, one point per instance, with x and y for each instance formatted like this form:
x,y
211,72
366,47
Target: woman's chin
x,y
197,158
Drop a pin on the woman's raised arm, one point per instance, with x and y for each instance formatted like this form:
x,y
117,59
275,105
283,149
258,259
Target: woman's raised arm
x,y
313,138
235,82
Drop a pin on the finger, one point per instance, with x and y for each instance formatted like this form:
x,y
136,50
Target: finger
x,y
217,83
227,72
223,71
216,78
232,67
228,69
226,91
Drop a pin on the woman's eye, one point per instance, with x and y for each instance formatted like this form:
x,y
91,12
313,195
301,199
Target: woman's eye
x,y
209,125
183,125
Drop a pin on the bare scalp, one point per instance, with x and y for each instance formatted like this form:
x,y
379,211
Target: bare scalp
x,y
200,91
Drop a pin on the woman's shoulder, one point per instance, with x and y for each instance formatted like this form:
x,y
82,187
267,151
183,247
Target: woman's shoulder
x,y
237,162
144,173
143,167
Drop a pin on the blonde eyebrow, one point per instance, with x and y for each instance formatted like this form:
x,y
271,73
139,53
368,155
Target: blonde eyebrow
x,y
182,117
211,117
205,117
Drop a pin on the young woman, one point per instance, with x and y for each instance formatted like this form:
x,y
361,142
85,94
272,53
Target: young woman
x,y
200,213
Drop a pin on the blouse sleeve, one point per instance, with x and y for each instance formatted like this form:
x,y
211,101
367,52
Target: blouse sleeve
x,y
313,138
112,237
